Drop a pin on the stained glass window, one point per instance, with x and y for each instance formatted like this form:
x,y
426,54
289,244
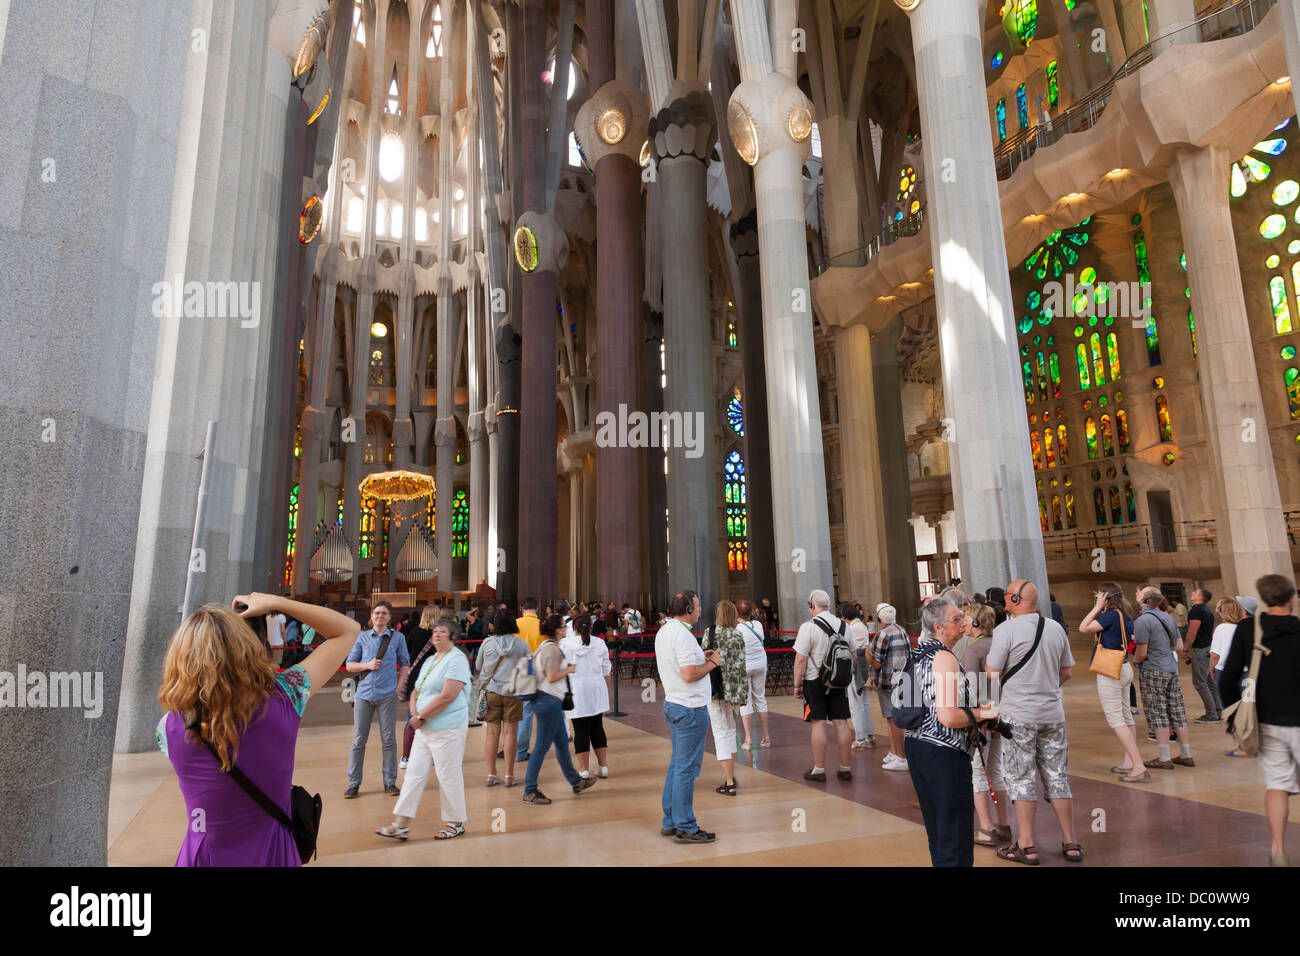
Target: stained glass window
x,y
1040,366
1191,327
1144,277
1281,311
1272,226
293,537
1116,507
736,414
1292,378
1162,418
1112,354
1131,501
1021,19
1121,426
1042,513
1054,370
1099,505
1049,449
1098,366
732,339
1062,442
1288,352
1058,252
1022,106
1053,88
996,61
1295,278
1090,436
734,498
1070,520
1056,512
1029,383
1036,446
367,548
1107,444
460,524
432,512
1001,114
906,182
1285,192
1081,357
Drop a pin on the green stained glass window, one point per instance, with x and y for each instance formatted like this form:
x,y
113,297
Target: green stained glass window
x,y
1041,368
1272,226
1098,367
1022,106
291,545
1295,278
1292,379
1112,354
1090,437
1058,251
734,497
1020,19
1281,311
1054,370
1256,170
1078,331
1033,300
1029,383
1053,87
1191,327
1081,356
1273,261
460,524
1026,324
1088,276
1288,352
1285,192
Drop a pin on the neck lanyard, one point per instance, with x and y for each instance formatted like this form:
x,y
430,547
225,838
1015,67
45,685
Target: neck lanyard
x,y
429,670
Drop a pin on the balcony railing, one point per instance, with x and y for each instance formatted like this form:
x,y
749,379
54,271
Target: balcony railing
x,y
1119,540
1230,21
891,233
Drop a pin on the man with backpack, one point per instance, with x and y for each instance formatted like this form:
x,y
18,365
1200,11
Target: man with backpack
x,y
823,670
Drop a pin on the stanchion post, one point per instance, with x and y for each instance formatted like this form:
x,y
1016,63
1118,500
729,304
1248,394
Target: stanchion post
x,y
618,647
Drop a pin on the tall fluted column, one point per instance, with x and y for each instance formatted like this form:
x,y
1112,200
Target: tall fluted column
x,y
607,127
758,472
1252,531
478,330
682,134
448,325
992,474
1291,41
770,121
901,586
860,465
316,422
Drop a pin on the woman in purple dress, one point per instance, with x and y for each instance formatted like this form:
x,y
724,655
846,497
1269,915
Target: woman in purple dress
x,y
250,716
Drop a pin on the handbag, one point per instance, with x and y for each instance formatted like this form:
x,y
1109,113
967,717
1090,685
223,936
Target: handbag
x,y
1108,662
1243,717
306,807
567,702
480,708
715,675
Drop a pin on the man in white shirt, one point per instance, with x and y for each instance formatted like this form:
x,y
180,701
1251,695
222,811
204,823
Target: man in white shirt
x,y
684,669
820,705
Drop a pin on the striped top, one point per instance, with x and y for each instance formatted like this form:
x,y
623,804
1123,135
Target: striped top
x,y
931,731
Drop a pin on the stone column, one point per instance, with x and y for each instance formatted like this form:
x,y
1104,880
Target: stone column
x,y
1291,39
354,466
758,457
941,547
992,473
682,134
860,464
1169,15
901,587
1113,35
317,419
770,121
1252,532
608,127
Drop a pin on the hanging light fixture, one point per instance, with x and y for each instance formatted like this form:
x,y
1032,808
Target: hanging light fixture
x,y
312,42
310,219
316,94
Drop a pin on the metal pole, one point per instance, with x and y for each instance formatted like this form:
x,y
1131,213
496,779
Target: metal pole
x,y
209,447
618,647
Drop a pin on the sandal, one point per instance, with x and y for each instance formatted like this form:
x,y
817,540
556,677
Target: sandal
x,y
1018,854
1003,833
492,780
766,743
394,832
727,789
1072,848
1237,753
986,838
509,781
450,831
747,745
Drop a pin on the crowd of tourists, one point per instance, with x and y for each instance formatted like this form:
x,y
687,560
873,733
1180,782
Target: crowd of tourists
x,y
973,712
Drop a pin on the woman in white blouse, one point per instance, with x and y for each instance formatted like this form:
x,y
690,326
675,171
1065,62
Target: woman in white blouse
x,y
590,685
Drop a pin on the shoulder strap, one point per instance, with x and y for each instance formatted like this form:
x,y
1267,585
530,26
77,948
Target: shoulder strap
x,y
824,626
1038,637
1258,650
383,649
250,788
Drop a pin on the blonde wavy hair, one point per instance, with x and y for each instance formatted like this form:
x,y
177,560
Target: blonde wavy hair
x,y
216,661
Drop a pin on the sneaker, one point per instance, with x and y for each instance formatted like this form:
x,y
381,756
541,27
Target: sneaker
x,y
1184,761
520,758
1151,735
392,790
351,792
890,759
538,798
586,783
699,836
584,774
899,763
818,777
1207,719
604,772
402,764
1159,764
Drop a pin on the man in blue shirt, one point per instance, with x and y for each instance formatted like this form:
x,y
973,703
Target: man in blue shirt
x,y
377,682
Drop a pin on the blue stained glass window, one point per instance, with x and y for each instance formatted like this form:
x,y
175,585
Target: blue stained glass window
x,y
1002,120
1022,106
733,495
736,415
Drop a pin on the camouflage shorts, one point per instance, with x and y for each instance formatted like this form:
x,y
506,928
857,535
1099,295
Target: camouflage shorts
x,y
1036,749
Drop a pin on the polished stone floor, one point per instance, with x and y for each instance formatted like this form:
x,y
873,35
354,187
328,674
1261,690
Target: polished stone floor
x,y
1210,815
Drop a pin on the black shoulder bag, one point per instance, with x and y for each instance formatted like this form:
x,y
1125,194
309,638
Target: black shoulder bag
x,y
306,807
715,675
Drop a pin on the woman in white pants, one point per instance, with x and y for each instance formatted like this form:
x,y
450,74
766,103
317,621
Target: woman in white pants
x,y
725,638
755,673
439,701
864,732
